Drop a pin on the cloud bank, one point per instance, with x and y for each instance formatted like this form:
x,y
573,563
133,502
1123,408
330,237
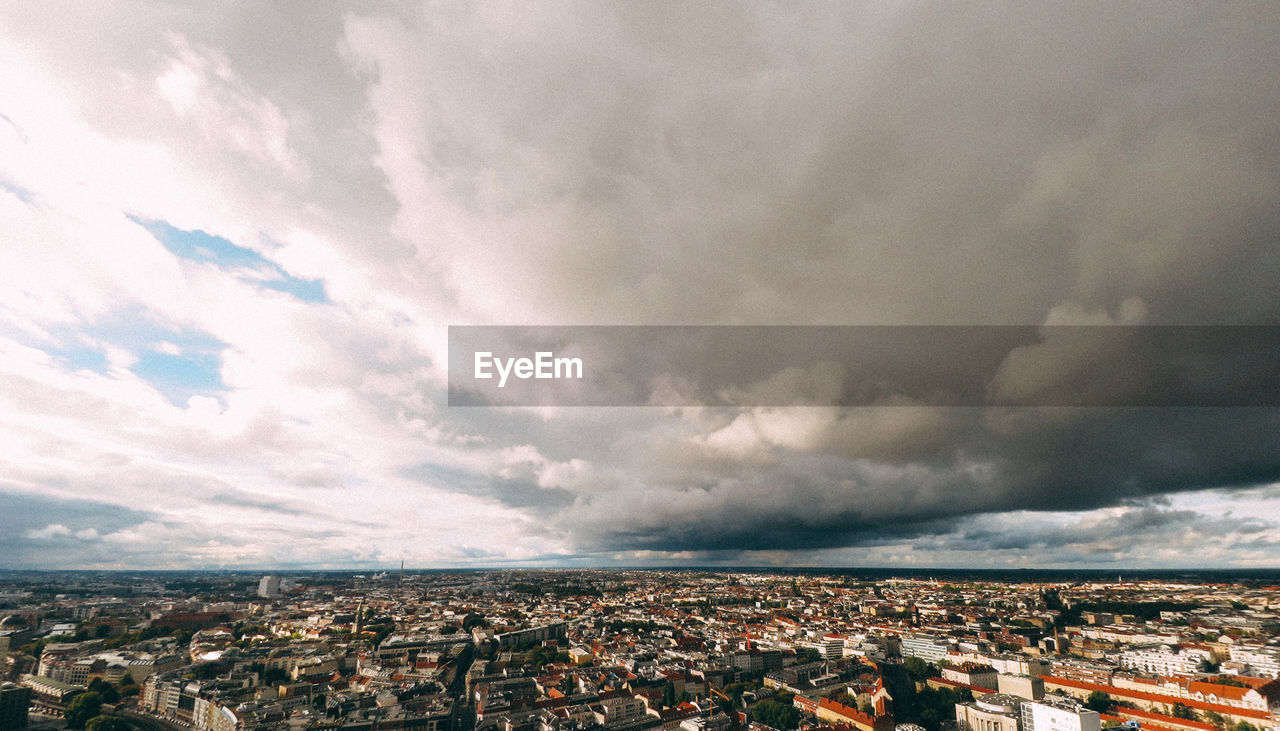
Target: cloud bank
x,y
234,237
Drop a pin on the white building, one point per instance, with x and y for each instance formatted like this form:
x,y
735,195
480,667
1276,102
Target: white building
x,y
269,587
831,647
1162,660
720,722
991,712
1008,664
1056,713
929,649
1263,660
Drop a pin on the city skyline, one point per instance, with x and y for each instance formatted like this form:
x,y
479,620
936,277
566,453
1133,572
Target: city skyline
x,y
234,238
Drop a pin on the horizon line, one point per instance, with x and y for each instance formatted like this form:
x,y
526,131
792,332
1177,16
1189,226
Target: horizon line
x,y
1137,570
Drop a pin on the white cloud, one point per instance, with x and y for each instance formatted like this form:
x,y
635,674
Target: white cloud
x,y
722,164
49,531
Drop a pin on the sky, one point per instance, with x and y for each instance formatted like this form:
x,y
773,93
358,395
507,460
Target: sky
x,y
233,237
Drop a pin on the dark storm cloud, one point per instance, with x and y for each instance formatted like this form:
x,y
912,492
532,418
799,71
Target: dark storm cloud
x,y
725,164
999,163
1110,365
993,461
1114,537
918,165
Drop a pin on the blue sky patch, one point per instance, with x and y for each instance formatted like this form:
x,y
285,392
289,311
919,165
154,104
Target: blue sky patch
x,y
307,290
55,532
202,247
68,346
79,357
17,191
179,377
179,363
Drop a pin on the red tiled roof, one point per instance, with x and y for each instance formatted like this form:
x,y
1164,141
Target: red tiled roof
x,y
1233,692
1156,697
1170,722
846,711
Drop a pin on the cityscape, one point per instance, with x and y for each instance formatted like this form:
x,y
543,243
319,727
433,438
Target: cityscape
x,y
640,650
672,365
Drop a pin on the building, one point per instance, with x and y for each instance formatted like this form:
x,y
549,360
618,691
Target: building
x,y
751,661
52,692
1007,664
1057,713
15,701
970,673
704,723
1146,700
991,712
1023,686
1262,660
543,633
929,649
831,647
1162,660
829,711
269,587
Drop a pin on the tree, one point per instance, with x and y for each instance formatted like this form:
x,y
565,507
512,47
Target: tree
x,y
777,715
918,669
1215,719
1099,701
108,723
106,690
1182,711
82,708
544,655
931,707
1232,682
1245,726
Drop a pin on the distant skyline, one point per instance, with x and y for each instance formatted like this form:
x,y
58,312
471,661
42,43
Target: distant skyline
x,y
232,239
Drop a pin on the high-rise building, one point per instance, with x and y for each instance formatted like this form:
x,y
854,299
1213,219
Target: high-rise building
x,y
15,700
269,587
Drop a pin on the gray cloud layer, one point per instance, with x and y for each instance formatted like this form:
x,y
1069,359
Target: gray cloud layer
x,y
732,163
